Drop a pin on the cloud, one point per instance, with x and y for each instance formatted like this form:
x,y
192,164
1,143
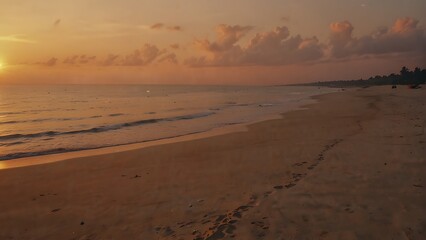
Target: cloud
x,y
174,46
57,22
146,55
160,26
341,31
170,58
285,19
224,50
79,59
143,56
403,25
404,36
157,26
17,38
226,38
278,48
110,60
174,28
233,46
87,59
267,48
51,62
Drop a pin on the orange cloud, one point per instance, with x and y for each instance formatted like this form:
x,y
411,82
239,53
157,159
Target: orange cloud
x,y
157,26
276,47
268,48
79,59
174,28
404,36
57,22
51,62
146,55
285,19
226,38
341,31
111,59
175,46
170,58
406,24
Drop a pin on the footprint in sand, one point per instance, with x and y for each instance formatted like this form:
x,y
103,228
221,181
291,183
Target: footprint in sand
x,y
224,225
261,228
266,194
299,164
164,231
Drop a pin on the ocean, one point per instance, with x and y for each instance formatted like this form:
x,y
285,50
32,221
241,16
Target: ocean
x,y
40,120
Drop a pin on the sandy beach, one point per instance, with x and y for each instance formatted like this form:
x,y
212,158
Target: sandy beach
x,y
351,166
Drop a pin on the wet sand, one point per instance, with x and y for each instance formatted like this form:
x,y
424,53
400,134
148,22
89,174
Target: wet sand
x,y
350,167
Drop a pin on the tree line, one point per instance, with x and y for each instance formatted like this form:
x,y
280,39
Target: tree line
x,y
405,77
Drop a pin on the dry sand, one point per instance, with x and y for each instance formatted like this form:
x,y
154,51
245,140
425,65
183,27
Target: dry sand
x,y
350,167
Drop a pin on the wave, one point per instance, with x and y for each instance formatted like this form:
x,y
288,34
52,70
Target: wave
x,y
34,111
104,128
48,119
10,113
40,153
64,150
11,144
116,114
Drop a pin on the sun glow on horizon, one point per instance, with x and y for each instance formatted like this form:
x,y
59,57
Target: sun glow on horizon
x,y
3,67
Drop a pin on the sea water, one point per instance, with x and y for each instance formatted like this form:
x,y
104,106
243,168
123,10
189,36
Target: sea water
x,y
39,120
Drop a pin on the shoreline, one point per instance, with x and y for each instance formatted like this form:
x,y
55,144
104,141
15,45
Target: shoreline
x,y
223,130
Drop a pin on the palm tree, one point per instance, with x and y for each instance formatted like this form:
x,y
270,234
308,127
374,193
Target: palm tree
x,y
404,75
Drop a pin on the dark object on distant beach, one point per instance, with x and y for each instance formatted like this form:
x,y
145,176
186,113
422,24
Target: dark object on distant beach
x,y
415,86
393,86
81,223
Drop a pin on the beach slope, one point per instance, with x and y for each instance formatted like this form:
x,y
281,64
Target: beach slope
x,y
351,166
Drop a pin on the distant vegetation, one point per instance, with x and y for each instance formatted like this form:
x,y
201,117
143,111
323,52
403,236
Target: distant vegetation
x,y
406,77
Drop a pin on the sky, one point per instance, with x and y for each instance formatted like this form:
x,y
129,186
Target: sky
x,y
207,42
